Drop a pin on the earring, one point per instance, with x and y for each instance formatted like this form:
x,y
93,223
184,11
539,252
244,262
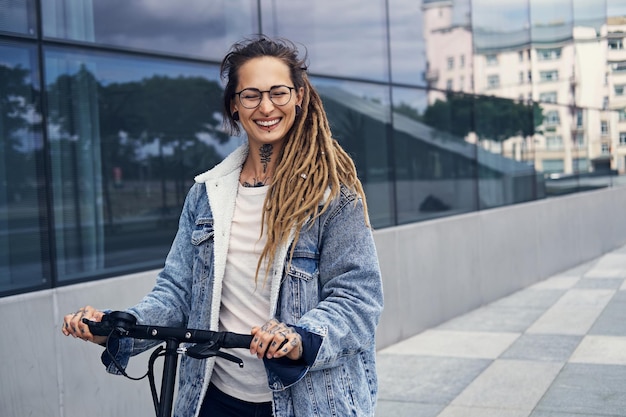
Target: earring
x,y
298,109
236,116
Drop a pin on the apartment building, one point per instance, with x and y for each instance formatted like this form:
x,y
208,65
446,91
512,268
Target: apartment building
x,y
575,71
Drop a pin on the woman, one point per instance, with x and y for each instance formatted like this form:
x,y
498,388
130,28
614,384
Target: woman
x,y
274,240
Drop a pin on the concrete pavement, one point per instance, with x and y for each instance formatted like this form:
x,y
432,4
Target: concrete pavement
x,y
555,349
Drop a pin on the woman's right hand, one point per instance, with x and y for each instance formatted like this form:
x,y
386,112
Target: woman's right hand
x,y
73,324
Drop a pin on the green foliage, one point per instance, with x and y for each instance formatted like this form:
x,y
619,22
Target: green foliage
x,y
488,117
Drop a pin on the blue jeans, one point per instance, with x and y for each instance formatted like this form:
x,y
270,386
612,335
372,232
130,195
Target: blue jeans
x,y
218,404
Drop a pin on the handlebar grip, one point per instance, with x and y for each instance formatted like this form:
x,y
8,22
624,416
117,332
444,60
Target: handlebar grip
x,y
236,340
97,328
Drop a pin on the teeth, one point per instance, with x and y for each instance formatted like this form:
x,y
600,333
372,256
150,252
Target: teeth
x,y
267,123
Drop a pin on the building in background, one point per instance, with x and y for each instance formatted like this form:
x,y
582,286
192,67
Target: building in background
x,y
574,69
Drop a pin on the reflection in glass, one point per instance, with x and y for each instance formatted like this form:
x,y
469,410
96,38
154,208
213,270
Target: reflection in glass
x,y
343,38
406,42
359,119
185,27
435,166
21,192
18,16
125,147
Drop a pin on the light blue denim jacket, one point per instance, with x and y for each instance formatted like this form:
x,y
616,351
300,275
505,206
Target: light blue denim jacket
x,y
332,289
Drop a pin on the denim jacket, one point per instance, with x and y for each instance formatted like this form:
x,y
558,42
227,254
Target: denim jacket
x,y
332,289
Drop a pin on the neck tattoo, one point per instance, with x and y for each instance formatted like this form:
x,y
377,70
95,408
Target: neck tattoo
x,y
265,153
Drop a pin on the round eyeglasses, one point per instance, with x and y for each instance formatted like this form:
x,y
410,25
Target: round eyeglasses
x,y
250,98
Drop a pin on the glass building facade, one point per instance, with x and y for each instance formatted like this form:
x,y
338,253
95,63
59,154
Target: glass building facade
x,y
108,109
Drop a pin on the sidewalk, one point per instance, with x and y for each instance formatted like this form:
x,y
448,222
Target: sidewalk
x,y
555,349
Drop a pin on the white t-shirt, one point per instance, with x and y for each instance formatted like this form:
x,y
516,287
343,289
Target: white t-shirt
x,y
245,303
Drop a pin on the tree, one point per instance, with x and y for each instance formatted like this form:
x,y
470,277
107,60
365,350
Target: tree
x,y
489,117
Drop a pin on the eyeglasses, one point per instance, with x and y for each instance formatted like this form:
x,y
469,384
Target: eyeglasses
x,y
250,98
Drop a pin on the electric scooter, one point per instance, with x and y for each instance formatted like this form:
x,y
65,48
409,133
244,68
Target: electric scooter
x,y
206,344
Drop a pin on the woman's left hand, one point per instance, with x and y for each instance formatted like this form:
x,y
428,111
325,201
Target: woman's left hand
x,y
275,340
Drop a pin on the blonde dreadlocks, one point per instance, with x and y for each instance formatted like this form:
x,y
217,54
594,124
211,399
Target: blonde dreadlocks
x,y
311,162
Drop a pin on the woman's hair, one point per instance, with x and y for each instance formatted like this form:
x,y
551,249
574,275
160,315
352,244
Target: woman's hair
x,y
311,161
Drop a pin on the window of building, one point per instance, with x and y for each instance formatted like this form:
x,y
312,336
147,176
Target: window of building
x,y
24,260
618,67
492,60
553,166
530,76
621,114
552,118
493,81
604,128
549,97
18,16
548,54
127,135
546,76
449,84
619,89
580,164
616,43
521,77
554,142
622,138
462,61
520,55
579,140
450,62
580,119
605,102
605,148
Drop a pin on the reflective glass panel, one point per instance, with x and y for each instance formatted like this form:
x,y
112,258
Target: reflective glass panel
x,y
127,136
435,166
187,27
359,118
18,16
343,38
22,199
407,31
448,45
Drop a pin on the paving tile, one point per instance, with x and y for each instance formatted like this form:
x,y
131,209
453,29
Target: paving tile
x,y
559,282
494,319
600,283
611,265
543,348
574,313
509,384
406,409
611,321
531,298
583,389
606,273
424,379
461,344
557,414
456,411
608,350
610,260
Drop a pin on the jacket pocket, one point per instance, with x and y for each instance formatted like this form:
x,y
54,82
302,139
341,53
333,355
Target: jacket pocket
x,y
202,240
203,231
303,284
